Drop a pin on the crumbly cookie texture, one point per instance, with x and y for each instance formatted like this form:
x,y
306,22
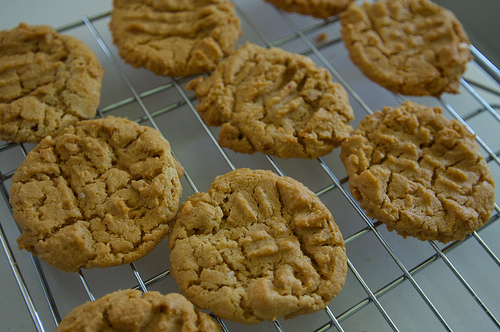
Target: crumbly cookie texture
x,y
99,194
419,173
174,38
274,102
134,311
412,47
257,247
48,81
317,8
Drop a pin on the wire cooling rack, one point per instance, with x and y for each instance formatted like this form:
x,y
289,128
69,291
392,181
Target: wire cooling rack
x,y
392,283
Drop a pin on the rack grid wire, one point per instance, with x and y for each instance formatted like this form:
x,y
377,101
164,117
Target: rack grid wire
x,y
392,283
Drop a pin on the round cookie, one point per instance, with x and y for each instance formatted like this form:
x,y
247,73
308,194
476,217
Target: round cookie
x,y
134,311
419,173
48,81
317,8
174,38
412,47
257,247
274,102
101,193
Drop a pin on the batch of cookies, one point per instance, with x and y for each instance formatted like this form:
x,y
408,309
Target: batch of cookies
x,y
256,246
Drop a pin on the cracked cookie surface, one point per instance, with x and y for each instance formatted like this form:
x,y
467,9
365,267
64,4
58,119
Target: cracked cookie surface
x,y
47,82
274,102
257,247
412,47
419,173
174,38
134,311
99,194
317,8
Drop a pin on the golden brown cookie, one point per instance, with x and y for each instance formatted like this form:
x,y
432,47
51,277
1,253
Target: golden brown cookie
x,y
134,311
99,194
274,102
419,173
47,82
174,38
317,8
257,247
412,47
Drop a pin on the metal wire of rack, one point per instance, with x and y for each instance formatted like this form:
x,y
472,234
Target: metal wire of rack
x,y
393,283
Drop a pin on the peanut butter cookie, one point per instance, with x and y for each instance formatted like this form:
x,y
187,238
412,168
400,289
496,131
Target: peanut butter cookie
x,y
274,102
99,194
317,8
412,47
257,247
419,173
47,82
174,38
134,311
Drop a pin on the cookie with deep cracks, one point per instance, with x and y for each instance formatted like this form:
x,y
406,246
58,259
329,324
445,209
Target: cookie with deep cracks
x,y
99,194
257,247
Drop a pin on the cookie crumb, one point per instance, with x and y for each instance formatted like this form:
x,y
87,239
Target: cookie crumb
x,y
322,37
